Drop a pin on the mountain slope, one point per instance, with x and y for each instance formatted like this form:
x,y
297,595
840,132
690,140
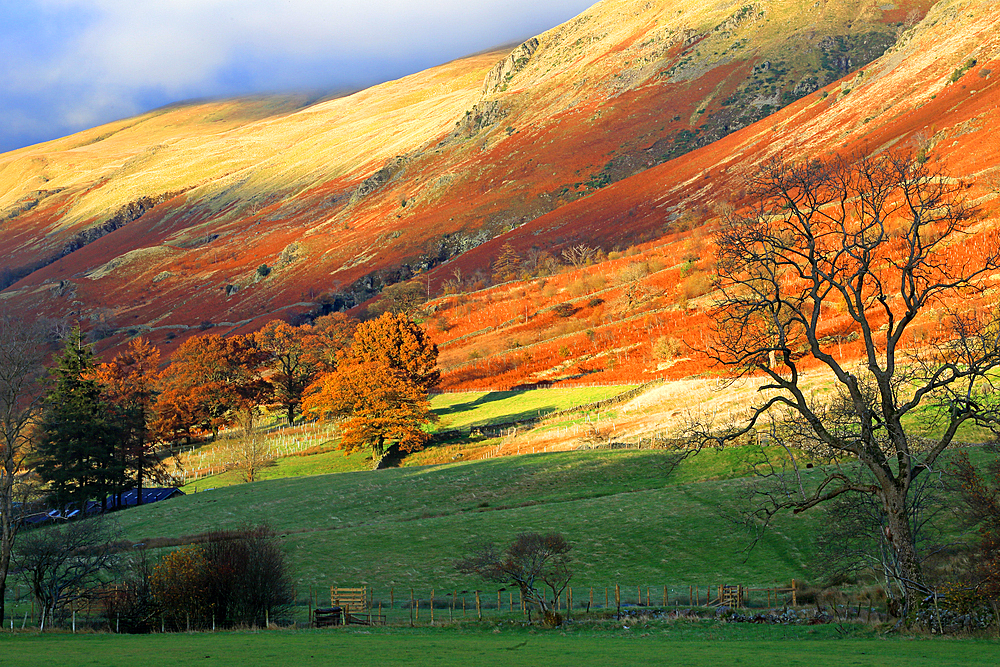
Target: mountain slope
x,y
158,224
925,94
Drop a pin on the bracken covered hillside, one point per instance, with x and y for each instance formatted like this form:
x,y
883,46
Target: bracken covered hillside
x,y
636,315
627,126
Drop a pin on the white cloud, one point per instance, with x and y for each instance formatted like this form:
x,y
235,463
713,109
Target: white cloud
x,y
109,58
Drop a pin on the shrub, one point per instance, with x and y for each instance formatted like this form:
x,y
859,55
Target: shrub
x,y
666,347
263,270
131,606
564,309
237,577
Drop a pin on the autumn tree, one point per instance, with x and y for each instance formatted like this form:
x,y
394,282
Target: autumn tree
x,y
21,353
530,561
508,265
379,406
209,380
78,438
292,366
128,385
380,387
397,342
329,335
872,240
401,298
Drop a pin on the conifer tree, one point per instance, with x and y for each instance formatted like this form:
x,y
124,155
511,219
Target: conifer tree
x,y
75,455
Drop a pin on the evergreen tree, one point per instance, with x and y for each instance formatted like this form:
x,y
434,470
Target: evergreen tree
x,y
75,454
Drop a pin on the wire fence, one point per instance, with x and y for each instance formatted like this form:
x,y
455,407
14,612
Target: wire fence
x,y
401,606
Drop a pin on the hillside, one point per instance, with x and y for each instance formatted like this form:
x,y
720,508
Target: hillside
x,y
159,224
935,90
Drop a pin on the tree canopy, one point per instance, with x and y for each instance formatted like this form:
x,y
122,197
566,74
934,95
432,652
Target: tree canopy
x,y
861,246
75,453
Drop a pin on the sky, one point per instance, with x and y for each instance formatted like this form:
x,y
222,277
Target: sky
x,y
69,65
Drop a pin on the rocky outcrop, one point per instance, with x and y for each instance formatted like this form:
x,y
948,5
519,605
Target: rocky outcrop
x,y
505,70
380,177
130,212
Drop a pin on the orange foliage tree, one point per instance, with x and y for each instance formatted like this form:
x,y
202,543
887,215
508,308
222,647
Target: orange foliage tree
x,y
292,367
400,344
209,381
128,384
380,388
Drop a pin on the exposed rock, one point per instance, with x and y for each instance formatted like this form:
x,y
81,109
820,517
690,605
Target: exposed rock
x,y
380,177
130,212
505,70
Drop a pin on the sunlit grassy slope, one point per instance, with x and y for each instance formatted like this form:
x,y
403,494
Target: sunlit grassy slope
x,y
629,520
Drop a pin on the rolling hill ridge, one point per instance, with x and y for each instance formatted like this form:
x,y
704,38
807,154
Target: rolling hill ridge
x,y
627,125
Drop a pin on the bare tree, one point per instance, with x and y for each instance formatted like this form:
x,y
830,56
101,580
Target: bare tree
x,y
21,353
251,452
870,240
65,563
578,255
530,560
632,289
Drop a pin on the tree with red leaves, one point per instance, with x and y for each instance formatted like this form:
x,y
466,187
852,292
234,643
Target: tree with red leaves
x,y
291,366
128,384
210,379
401,345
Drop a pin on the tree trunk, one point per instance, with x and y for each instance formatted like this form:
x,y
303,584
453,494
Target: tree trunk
x,y
6,544
900,537
138,480
6,541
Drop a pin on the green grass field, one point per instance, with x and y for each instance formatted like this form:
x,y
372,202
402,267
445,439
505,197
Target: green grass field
x,y
685,643
456,411
404,527
464,409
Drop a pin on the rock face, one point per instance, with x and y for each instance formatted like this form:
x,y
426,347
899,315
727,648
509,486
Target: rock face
x,y
505,70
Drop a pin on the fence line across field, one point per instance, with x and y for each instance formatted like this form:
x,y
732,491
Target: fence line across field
x,y
374,605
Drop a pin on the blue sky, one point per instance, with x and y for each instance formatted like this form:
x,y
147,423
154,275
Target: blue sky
x,y
67,65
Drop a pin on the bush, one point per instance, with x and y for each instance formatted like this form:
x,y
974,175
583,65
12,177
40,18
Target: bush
x,y
130,606
237,577
564,309
666,347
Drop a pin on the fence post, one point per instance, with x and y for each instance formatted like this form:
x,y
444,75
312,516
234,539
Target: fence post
x,y
618,600
794,600
411,607
479,609
432,606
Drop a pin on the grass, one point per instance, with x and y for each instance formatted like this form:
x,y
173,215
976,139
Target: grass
x,y
456,410
404,527
465,409
688,643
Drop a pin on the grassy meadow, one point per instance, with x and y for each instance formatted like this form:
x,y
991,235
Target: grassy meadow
x,y
634,520
685,643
